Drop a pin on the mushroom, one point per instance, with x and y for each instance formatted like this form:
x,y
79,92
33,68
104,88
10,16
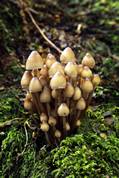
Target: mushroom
x,y
86,72
55,67
67,56
34,61
71,70
58,81
35,87
45,97
50,60
96,80
87,87
28,104
88,60
63,111
25,80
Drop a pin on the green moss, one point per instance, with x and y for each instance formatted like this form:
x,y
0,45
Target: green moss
x,y
11,146
86,156
10,105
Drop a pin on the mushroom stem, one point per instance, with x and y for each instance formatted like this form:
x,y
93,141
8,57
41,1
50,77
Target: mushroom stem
x,y
36,103
47,138
39,103
64,126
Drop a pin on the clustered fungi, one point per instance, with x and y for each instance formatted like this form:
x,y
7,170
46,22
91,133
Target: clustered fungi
x,y
58,91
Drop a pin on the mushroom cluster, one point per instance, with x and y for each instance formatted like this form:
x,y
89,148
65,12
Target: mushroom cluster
x,y
58,91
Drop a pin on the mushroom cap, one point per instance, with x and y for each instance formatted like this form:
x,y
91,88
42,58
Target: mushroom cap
x,y
88,60
69,90
50,60
77,93
81,104
86,72
67,126
25,80
96,80
80,68
55,67
35,85
87,86
43,117
54,93
63,110
71,70
57,134
28,104
67,55
44,127
45,95
78,122
52,121
58,81
34,61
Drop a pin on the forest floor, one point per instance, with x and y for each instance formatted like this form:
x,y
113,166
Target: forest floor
x,y
85,26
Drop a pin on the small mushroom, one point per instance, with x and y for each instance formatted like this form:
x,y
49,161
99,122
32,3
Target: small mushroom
x,y
55,67
81,104
87,86
35,85
88,60
34,61
58,81
28,104
77,93
63,110
50,60
45,96
69,90
67,56
43,117
96,80
25,80
86,72
71,70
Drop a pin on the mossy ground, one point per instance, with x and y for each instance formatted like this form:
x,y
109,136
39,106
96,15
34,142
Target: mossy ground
x,y
93,151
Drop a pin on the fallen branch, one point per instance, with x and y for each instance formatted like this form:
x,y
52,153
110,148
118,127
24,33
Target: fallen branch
x,y
41,32
10,122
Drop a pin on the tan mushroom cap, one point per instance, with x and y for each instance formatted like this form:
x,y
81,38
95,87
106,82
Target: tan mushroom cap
x,y
25,80
50,60
69,90
81,104
43,117
87,86
44,127
77,93
96,80
35,85
86,72
34,61
52,121
71,70
45,95
27,104
63,110
55,67
57,134
88,60
58,81
67,56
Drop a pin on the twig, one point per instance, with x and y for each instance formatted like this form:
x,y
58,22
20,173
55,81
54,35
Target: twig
x,y
41,32
10,122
